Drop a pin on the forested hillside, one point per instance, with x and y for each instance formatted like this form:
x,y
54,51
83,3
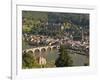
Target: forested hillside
x,y
34,20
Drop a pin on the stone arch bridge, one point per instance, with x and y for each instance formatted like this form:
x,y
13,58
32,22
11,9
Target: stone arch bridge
x,y
42,49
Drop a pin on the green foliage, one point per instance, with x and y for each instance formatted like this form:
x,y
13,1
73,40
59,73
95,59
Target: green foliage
x,y
33,15
35,23
26,29
64,59
28,60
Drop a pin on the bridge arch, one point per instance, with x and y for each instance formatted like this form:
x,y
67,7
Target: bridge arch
x,y
49,49
54,48
37,52
43,50
24,51
30,51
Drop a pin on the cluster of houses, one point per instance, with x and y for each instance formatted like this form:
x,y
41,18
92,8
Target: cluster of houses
x,y
41,40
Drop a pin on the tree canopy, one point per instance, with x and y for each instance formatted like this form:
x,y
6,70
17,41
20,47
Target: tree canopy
x,y
29,61
64,59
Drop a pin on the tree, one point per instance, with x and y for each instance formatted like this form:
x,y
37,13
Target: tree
x,y
64,58
28,60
